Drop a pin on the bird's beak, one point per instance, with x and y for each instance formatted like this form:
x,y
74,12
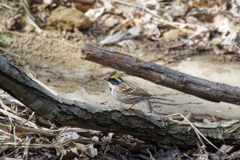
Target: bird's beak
x,y
106,78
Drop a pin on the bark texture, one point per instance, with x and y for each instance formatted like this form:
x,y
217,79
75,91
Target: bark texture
x,y
208,90
145,126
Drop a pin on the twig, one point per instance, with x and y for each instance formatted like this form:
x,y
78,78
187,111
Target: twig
x,y
31,124
200,139
10,118
65,128
62,153
26,120
7,6
28,12
177,103
17,33
6,133
13,151
57,145
14,134
31,18
47,132
8,114
151,156
196,130
10,53
27,143
30,75
38,30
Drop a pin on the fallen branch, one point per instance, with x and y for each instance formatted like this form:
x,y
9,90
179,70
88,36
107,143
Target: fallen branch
x,y
145,126
208,90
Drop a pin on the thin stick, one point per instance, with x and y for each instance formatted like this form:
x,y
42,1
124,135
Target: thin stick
x,y
176,103
31,124
200,139
65,128
7,6
14,134
27,142
38,30
26,120
56,145
176,114
5,108
4,132
31,18
17,33
38,131
13,152
26,9
11,53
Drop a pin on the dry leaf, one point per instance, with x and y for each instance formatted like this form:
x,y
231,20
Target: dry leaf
x,y
135,31
229,40
202,157
127,43
111,21
128,12
108,6
87,149
224,25
172,33
151,30
191,19
151,4
47,1
115,38
94,14
199,3
67,135
226,148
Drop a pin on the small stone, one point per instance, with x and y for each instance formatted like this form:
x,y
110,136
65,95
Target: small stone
x,y
68,19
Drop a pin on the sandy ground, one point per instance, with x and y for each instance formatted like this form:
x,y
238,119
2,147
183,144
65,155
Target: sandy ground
x,y
218,72
70,76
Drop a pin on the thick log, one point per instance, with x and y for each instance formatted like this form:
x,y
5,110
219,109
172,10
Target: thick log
x,y
145,126
208,90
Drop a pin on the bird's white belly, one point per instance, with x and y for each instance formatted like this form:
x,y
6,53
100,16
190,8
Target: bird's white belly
x,y
127,100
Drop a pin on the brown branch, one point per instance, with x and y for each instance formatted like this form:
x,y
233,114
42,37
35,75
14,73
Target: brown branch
x,y
145,126
208,90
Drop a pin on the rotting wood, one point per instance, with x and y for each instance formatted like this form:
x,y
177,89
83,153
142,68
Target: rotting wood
x,y
145,126
208,90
